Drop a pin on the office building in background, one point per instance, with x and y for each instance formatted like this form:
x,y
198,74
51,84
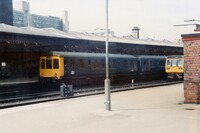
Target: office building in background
x,y
6,12
23,18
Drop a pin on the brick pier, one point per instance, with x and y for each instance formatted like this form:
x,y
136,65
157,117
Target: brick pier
x,y
191,68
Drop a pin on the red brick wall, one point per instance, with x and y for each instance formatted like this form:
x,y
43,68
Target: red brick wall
x,y
192,69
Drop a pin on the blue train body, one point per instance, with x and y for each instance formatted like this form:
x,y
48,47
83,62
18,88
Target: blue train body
x,y
89,68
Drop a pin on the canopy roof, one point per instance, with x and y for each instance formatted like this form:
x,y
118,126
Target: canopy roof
x,y
50,32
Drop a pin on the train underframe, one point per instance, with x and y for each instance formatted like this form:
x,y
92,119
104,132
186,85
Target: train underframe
x,y
175,75
98,80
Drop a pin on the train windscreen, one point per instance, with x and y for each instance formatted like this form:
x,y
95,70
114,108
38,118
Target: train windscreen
x,y
174,62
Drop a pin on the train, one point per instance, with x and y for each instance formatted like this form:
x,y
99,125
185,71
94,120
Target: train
x,y
174,67
82,68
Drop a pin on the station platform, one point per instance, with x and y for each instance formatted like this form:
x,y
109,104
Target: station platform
x,y
149,110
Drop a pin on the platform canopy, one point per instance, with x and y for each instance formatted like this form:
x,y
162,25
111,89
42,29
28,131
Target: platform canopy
x,y
51,32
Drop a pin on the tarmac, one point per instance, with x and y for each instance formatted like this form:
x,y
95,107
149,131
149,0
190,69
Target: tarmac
x,y
149,110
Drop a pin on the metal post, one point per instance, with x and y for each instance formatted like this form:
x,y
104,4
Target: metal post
x,y
132,81
107,80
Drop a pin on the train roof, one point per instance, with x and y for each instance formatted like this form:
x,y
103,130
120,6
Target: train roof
x,y
97,55
151,56
50,32
175,56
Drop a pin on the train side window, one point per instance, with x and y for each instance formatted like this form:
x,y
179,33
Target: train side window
x,y
110,63
67,64
162,63
42,63
89,63
144,62
72,63
102,63
135,66
55,64
95,63
125,64
48,63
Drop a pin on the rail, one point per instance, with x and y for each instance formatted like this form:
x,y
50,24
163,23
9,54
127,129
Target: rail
x,y
34,98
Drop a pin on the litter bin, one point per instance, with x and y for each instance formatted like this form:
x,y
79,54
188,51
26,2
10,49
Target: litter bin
x,y
70,91
63,89
66,90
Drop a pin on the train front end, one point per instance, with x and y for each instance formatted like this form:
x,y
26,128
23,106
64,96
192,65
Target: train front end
x,y
174,67
51,68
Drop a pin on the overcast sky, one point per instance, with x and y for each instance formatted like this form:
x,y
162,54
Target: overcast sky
x,y
155,18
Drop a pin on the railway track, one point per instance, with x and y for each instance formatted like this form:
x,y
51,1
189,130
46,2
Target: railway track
x,y
45,96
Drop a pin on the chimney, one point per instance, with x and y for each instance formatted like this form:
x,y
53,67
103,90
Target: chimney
x,y
65,21
135,32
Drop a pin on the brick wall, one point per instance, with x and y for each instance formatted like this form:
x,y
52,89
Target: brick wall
x,y
191,68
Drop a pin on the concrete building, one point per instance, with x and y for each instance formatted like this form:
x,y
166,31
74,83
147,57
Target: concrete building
x,y
21,13
6,12
19,19
39,21
23,18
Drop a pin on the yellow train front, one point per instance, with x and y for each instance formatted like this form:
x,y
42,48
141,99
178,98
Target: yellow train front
x,y
174,66
51,68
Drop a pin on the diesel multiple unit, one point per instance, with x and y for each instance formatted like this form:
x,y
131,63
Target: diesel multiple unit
x,y
89,68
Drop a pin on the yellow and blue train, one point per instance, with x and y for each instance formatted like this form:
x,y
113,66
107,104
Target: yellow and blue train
x,y
174,66
81,68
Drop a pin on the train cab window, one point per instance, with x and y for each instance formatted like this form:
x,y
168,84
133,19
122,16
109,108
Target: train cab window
x,y
168,63
179,63
48,63
55,64
174,62
42,63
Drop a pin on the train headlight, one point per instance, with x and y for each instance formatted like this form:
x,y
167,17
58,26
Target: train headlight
x,y
180,68
168,68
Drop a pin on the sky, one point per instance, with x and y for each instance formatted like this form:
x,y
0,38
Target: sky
x,y
155,18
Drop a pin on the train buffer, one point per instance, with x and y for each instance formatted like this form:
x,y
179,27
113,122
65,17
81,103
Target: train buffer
x,y
66,90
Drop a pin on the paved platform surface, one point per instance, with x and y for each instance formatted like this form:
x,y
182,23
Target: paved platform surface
x,y
150,110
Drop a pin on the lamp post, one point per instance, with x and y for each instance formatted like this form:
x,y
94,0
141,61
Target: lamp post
x,y
107,80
